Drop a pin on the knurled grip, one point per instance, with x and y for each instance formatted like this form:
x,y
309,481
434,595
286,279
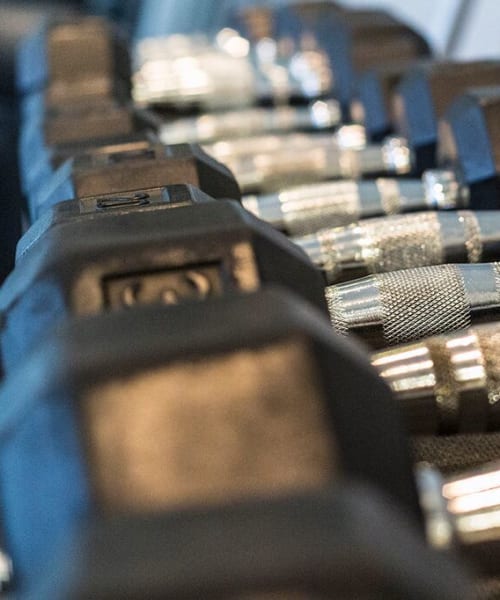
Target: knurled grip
x,y
422,302
403,242
446,387
304,211
489,341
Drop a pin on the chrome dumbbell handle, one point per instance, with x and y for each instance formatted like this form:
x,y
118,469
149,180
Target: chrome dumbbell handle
x,y
305,209
231,124
397,242
408,305
447,384
311,161
461,511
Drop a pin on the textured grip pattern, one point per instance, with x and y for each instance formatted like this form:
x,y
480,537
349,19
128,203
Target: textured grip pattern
x,y
338,316
312,208
422,302
446,389
473,240
489,342
403,242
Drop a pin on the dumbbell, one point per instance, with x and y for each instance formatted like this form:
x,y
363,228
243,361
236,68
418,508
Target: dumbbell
x,y
421,98
45,145
447,384
202,403
74,77
385,244
70,67
132,166
350,40
469,143
403,306
371,106
342,542
168,244
295,41
466,179
72,61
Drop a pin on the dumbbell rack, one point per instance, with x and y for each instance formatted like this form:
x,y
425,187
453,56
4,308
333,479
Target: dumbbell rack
x,y
173,386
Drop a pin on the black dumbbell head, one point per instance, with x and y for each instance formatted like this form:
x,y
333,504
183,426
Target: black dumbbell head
x,y
425,93
37,168
46,143
345,542
110,252
80,124
363,39
126,168
83,59
372,103
470,140
145,410
352,40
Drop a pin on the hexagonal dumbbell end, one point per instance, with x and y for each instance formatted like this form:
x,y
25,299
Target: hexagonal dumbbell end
x,y
469,142
372,99
356,38
307,547
46,143
126,168
158,408
423,96
166,246
73,61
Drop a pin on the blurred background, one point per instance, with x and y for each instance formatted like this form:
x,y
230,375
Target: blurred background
x,y
457,28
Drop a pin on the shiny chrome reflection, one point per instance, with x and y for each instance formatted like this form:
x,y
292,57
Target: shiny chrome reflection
x,y
179,71
351,136
305,209
280,162
462,510
449,383
404,241
415,303
249,122
248,147
443,190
